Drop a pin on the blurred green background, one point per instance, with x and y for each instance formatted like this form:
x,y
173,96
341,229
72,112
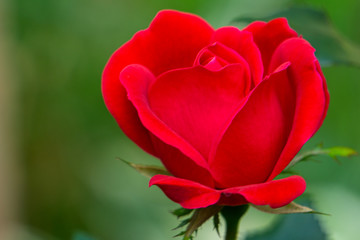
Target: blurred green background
x,y
59,176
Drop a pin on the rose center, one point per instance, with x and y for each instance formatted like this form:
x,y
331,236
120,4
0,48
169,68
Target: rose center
x,y
216,56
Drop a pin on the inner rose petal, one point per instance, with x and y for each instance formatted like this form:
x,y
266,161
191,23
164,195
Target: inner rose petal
x,y
243,44
217,55
196,102
215,63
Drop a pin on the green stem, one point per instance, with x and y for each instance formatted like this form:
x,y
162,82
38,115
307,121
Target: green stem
x,y
232,217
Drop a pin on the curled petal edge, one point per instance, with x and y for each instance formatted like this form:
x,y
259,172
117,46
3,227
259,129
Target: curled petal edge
x,y
154,48
191,195
136,80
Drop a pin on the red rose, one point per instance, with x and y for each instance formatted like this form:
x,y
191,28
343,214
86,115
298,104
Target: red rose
x,y
225,110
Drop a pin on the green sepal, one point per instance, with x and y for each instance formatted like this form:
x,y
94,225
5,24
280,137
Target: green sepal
x,y
182,223
333,152
198,217
182,234
288,209
180,212
216,222
147,171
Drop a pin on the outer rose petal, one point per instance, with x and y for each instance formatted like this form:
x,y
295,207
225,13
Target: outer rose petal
x,y
252,143
191,194
137,79
242,42
187,193
312,97
180,165
327,95
172,41
275,193
268,36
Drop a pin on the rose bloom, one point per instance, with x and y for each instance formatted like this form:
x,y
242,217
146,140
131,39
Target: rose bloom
x,y
225,110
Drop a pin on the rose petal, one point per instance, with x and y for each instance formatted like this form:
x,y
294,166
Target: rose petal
x,y
136,80
180,165
275,193
196,103
268,36
191,194
254,139
172,41
326,92
187,193
242,42
220,53
312,97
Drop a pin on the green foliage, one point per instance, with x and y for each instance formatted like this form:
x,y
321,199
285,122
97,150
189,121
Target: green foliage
x,y
82,236
294,227
147,171
315,26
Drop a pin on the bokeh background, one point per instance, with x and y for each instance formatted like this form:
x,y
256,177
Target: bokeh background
x,y
59,176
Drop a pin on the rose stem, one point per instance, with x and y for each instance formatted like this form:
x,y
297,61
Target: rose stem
x,y
232,216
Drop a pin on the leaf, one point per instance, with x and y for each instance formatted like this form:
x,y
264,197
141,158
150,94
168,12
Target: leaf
x,y
180,212
294,227
288,209
315,26
200,216
147,171
333,152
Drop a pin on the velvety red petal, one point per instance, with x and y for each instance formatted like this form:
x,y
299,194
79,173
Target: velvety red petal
x,y
276,193
252,143
125,114
196,103
172,41
326,92
136,80
180,165
187,193
220,54
312,97
268,36
192,195
242,42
